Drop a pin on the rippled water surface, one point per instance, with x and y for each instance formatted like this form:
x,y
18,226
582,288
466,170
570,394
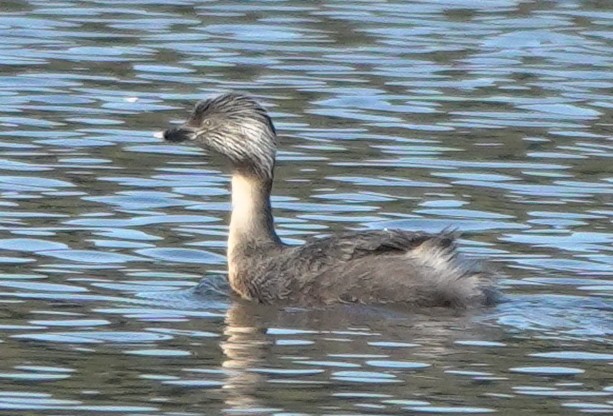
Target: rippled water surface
x,y
494,117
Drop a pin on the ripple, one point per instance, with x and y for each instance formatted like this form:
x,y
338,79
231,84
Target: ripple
x,y
548,371
141,221
43,287
574,355
140,200
552,392
195,383
159,353
34,182
479,343
438,225
71,322
451,410
391,344
287,372
33,376
30,244
94,337
183,255
90,256
332,364
397,365
364,377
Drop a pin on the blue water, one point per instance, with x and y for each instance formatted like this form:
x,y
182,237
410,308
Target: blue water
x,y
490,117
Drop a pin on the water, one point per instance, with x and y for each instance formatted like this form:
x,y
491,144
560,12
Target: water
x,y
493,117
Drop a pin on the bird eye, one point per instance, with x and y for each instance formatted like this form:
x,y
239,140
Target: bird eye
x,y
206,123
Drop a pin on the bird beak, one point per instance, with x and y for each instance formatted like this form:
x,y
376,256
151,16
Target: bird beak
x,y
180,134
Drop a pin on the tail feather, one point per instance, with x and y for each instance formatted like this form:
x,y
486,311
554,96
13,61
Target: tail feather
x,y
449,277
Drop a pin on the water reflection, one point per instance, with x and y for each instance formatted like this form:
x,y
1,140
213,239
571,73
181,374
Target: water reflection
x,y
330,348
491,117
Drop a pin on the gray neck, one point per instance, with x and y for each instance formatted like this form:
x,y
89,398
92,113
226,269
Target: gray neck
x,y
251,223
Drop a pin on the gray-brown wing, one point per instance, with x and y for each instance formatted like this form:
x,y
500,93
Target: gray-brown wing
x,y
373,267
333,267
347,246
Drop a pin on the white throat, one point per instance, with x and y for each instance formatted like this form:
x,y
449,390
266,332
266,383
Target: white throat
x,y
246,203
251,223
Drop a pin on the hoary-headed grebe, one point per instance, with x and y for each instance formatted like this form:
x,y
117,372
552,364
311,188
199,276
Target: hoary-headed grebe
x,y
390,266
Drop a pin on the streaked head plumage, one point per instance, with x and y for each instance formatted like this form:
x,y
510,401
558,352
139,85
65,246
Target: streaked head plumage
x,y
235,126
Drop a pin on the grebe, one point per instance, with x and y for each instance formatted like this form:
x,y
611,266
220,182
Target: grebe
x,y
390,266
